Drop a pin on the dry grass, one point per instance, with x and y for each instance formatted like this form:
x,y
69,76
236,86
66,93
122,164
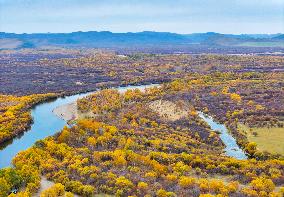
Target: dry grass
x,y
168,110
267,139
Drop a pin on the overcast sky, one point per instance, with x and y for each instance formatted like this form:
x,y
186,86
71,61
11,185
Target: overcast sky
x,y
180,16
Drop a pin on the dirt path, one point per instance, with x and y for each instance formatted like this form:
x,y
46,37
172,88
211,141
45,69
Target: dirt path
x,y
44,184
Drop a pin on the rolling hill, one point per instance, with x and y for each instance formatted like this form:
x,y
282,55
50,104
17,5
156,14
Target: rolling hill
x,y
106,39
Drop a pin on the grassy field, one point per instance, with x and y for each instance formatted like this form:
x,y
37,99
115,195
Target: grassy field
x,y
267,139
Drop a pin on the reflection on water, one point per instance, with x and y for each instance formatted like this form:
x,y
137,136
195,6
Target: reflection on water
x,y
46,123
232,149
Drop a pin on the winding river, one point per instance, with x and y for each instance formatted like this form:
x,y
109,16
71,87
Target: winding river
x,y
232,148
46,123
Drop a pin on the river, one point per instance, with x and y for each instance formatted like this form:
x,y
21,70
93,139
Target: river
x,y
232,149
46,123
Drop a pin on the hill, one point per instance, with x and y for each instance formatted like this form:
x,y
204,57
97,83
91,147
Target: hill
x,y
140,40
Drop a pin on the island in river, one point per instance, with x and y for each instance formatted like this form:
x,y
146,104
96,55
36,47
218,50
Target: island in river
x,y
132,139
69,112
156,142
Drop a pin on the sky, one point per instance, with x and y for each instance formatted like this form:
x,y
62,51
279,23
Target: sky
x,y
179,16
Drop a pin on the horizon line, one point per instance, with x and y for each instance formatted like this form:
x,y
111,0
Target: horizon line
x,y
149,31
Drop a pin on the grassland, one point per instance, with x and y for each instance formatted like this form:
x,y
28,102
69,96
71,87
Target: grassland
x,y
267,139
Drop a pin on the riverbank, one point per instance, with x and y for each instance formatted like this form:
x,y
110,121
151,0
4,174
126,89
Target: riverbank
x,y
46,123
15,114
67,112
165,109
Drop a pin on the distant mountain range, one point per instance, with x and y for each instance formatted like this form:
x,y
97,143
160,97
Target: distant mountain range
x,y
146,39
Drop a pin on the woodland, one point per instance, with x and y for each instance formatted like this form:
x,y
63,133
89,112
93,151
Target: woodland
x,y
146,143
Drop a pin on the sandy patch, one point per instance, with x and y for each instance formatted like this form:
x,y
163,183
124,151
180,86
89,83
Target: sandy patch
x,y
168,110
70,112
67,112
44,184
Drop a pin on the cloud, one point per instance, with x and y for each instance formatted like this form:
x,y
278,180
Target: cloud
x,y
133,15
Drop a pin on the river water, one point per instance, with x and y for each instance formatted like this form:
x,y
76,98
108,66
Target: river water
x,y
232,148
46,123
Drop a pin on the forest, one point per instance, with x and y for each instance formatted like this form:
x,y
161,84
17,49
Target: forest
x,y
124,149
71,71
152,142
